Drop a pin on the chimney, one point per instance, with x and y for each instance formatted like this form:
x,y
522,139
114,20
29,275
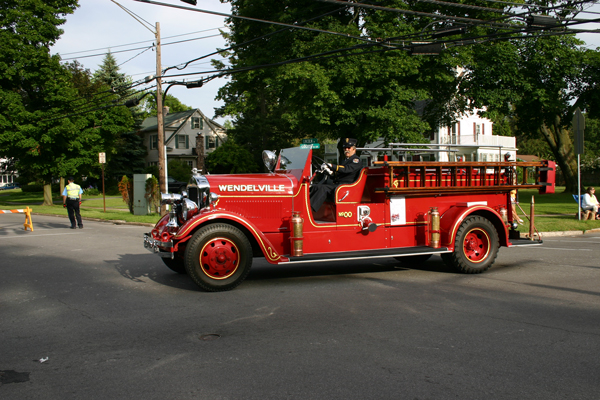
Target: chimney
x,y
165,111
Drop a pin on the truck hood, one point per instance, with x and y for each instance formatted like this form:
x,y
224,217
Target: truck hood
x,y
252,184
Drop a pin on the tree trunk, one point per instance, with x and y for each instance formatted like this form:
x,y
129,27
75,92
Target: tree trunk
x,y
48,195
562,147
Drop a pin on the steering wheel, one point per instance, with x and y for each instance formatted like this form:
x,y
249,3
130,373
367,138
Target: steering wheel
x,y
317,163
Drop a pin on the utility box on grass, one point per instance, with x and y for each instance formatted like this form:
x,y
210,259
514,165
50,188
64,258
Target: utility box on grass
x,y
140,203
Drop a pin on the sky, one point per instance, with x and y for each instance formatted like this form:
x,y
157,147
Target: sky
x,y
98,26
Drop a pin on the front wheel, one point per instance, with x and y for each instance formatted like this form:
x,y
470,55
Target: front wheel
x,y
475,246
218,257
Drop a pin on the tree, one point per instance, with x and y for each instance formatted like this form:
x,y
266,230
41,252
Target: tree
x,y
230,158
35,90
533,81
179,170
113,123
149,105
367,91
109,75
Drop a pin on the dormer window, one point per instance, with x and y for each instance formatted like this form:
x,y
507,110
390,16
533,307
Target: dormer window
x,y
197,123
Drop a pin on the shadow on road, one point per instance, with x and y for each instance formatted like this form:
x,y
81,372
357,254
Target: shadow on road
x,y
138,268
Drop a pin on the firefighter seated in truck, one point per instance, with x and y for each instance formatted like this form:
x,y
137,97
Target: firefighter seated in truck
x,y
346,172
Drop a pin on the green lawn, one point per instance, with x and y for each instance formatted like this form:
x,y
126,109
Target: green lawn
x,y
554,212
91,207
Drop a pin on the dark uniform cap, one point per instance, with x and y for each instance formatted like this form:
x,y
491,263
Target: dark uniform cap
x,y
349,142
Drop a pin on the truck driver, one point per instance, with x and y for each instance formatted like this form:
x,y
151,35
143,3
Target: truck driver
x,y
346,172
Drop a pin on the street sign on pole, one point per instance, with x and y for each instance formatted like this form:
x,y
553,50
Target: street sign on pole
x,y
578,129
310,146
102,160
309,141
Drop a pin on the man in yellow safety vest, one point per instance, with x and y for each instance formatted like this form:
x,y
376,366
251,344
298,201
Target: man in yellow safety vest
x,y
71,201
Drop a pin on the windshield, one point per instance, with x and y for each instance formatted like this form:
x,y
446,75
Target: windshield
x,y
293,158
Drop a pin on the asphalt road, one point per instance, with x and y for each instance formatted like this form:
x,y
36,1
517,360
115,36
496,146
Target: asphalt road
x,y
114,322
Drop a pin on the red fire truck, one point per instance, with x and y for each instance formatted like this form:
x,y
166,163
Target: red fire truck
x,y
414,209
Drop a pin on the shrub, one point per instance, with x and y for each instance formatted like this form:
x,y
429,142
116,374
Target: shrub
x,y
91,192
153,193
126,189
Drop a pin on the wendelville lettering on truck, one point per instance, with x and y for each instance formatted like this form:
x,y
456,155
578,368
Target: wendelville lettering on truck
x,y
409,210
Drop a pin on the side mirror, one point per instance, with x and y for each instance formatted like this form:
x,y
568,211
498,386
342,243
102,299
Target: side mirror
x,y
269,159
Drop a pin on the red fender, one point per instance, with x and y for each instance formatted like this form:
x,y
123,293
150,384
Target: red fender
x,y
451,220
266,246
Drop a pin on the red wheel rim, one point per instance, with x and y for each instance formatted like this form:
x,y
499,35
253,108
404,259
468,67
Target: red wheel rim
x,y
476,245
219,258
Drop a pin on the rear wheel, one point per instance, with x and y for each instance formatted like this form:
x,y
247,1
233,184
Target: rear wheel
x,y
218,257
475,246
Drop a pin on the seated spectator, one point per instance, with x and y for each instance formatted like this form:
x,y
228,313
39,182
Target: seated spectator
x,y
590,203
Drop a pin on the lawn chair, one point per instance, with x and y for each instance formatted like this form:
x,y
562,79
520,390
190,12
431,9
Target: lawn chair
x,y
584,215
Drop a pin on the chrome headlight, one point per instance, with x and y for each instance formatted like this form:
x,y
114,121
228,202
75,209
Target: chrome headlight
x,y
269,159
198,190
188,209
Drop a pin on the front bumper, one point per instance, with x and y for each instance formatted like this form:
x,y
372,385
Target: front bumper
x,y
156,246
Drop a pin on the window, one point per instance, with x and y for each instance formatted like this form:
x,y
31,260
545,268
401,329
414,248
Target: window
x,y
182,142
211,142
478,129
190,164
197,123
153,142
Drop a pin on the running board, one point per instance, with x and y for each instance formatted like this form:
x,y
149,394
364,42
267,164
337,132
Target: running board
x,y
524,242
363,254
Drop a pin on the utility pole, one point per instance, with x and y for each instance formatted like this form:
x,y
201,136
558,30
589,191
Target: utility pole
x,y
162,179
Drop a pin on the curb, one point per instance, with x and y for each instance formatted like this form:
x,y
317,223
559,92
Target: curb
x,y
569,233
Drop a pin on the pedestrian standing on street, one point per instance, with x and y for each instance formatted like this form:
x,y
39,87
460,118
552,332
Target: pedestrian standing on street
x,y
71,201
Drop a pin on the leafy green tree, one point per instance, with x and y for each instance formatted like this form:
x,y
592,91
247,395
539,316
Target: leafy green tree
x,y
367,91
230,158
35,91
179,170
109,75
113,124
532,80
149,105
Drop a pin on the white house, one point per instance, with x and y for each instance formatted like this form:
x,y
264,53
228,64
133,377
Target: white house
x,y
185,133
474,140
7,177
469,138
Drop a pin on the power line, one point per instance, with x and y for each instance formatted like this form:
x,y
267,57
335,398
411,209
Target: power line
x,y
143,41
255,20
139,48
